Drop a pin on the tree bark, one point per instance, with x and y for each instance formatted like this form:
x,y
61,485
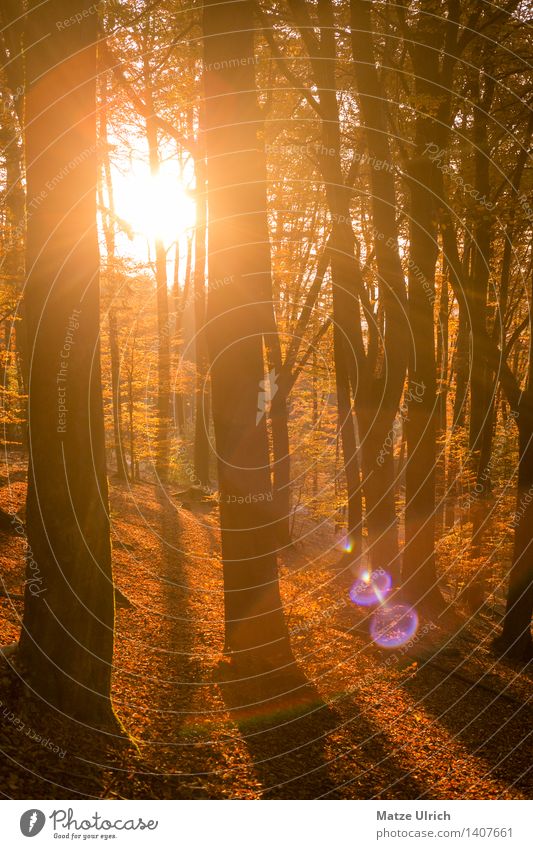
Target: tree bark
x,y
12,262
515,639
122,471
162,447
68,624
201,425
432,88
378,418
181,303
419,572
108,222
239,252
346,426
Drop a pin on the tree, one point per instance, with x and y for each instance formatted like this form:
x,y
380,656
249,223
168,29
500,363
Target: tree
x,y
375,391
14,413
108,226
239,253
379,418
68,625
163,325
201,420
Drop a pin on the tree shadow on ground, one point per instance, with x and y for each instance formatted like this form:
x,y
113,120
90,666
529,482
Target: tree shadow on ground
x,y
288,729
176,676
481,713
48,755
284,723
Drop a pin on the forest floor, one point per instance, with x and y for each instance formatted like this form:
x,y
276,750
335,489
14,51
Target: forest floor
x,y
441,719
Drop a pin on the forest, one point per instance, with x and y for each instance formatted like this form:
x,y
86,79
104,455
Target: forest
x,y
266,399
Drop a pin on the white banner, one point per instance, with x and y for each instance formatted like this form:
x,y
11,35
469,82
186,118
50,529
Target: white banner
x,y
268,825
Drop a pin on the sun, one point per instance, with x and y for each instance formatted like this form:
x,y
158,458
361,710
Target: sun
x,y
158,207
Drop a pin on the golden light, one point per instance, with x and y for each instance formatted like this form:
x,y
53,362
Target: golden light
x,y
159,207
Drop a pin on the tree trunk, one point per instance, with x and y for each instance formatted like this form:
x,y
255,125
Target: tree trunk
x,y
482,381
131,422
108,221
68,624
181,303
460,368
314,421
515,639
346,426
432,86
348,289
201,425
419,571
288,372
280,436
378,418
239,252
12,263
122,472
442,404
162,454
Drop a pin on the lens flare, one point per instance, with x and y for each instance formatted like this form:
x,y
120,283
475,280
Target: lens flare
x,y
393,625
371,588
345,544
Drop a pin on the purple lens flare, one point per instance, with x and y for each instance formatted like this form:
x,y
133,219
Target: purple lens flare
x,y
371,588
393,625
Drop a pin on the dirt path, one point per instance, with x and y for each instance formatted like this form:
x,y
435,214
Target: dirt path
x,y
419,724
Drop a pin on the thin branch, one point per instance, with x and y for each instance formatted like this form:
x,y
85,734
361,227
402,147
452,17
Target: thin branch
x,y
285,70
311,348
115,66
